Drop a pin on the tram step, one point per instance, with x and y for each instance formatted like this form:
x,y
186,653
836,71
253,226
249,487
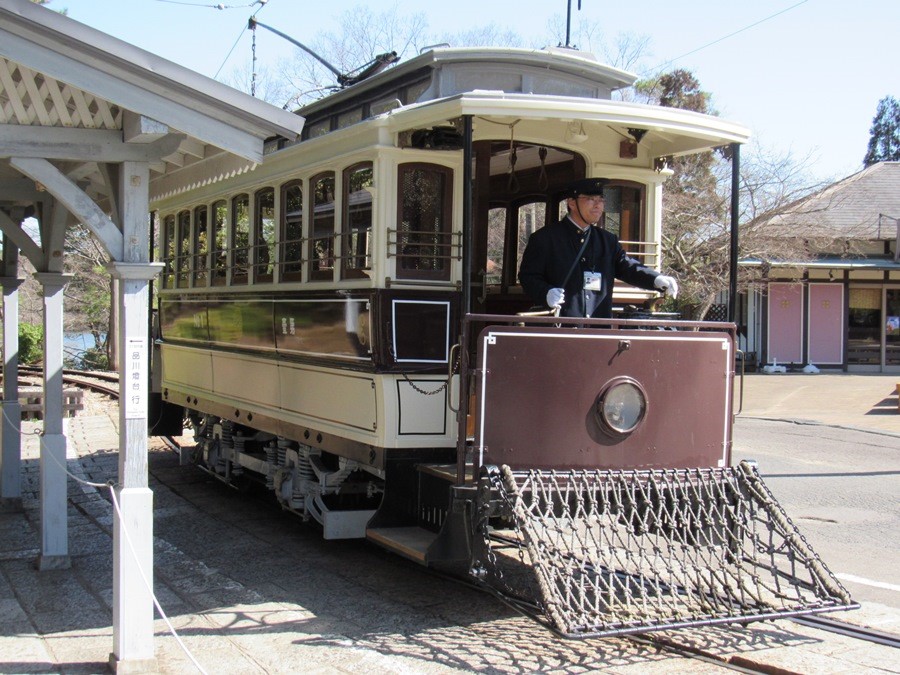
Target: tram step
x,y
445,472
410,542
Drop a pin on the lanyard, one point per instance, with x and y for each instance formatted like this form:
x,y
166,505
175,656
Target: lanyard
x,y
584,244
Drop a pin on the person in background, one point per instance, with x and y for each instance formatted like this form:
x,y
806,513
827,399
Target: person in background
x,y
573,264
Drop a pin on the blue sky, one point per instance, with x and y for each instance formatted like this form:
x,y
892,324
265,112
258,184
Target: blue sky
x,y
804,75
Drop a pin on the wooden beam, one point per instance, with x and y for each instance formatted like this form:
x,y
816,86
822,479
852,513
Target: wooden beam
x,y
140,129
74,199
19,190
20,238
81,145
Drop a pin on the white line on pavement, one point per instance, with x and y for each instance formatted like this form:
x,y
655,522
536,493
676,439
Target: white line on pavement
x,y
867,582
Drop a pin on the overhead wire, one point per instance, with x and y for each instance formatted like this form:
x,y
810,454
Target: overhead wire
x,y
725,37
216,6
261,3
221,6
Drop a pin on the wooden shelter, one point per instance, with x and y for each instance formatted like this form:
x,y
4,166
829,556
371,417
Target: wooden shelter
x,y
88,126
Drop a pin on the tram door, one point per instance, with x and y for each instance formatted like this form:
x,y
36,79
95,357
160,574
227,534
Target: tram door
x,y
517,190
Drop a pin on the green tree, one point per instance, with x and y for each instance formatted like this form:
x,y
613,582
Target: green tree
x,y
884,140
31,343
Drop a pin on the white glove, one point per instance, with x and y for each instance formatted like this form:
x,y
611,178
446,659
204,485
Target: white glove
x,y
667,284
555,297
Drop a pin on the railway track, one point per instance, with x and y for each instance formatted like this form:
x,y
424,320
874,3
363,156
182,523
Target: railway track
x,y
100,382
96,381
667,642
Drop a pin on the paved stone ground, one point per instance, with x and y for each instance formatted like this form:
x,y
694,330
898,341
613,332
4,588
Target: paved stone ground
x,y
251,589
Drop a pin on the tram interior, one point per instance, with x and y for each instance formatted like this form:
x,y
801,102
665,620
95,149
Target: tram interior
x,y
519,189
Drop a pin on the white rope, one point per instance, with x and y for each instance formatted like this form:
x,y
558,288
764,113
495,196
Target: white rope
x,y
111,485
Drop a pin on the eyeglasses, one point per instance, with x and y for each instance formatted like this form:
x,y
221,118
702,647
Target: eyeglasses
x,y
593,199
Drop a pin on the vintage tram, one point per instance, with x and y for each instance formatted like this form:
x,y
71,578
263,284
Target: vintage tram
x,y
343,323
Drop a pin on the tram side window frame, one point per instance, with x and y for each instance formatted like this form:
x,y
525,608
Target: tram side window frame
x,y
239,244
168,250
356,233
200,246
218,243
183,249
264,235
409,239
290,247
321,267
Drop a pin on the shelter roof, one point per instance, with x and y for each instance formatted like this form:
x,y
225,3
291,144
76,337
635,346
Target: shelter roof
x,y
72,94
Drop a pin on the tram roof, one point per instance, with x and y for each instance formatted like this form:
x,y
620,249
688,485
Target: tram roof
x,y
670,131
559,61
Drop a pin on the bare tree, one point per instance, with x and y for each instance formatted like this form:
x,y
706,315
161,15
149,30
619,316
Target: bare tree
x,y
87,297
263,83
490,35
696,208
697,223
361,35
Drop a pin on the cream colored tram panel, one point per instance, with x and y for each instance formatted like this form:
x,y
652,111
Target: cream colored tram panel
x,y
380,410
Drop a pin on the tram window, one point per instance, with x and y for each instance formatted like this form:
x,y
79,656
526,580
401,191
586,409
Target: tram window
x,y
169,252
622,216
219,242
318,129
201,246
292,231
384,104
622,212
349,118
423,246
321,242
529,217
357,221
495,244
264,233
240,238
183,252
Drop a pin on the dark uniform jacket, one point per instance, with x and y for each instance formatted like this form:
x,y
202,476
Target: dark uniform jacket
x,y
550,253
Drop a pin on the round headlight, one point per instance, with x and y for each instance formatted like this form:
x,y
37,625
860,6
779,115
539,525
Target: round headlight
x,y
621,405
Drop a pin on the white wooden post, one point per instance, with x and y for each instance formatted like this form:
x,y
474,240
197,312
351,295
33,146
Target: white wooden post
x,y
54,496
10,408
133,648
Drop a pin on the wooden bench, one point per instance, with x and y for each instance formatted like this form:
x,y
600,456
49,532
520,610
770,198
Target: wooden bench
x,y
32,401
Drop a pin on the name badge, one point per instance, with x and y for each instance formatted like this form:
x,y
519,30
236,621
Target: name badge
x,y
593,281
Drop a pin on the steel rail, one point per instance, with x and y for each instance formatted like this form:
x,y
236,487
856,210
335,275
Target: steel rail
x,y
108,376
93,386
849,630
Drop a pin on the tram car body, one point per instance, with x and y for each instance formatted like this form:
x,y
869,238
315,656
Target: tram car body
x,y
342,323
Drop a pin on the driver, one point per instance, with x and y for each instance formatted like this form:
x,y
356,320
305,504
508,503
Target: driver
x,y
573,264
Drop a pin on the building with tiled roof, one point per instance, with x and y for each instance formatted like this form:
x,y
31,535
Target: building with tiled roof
x,y
838,308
